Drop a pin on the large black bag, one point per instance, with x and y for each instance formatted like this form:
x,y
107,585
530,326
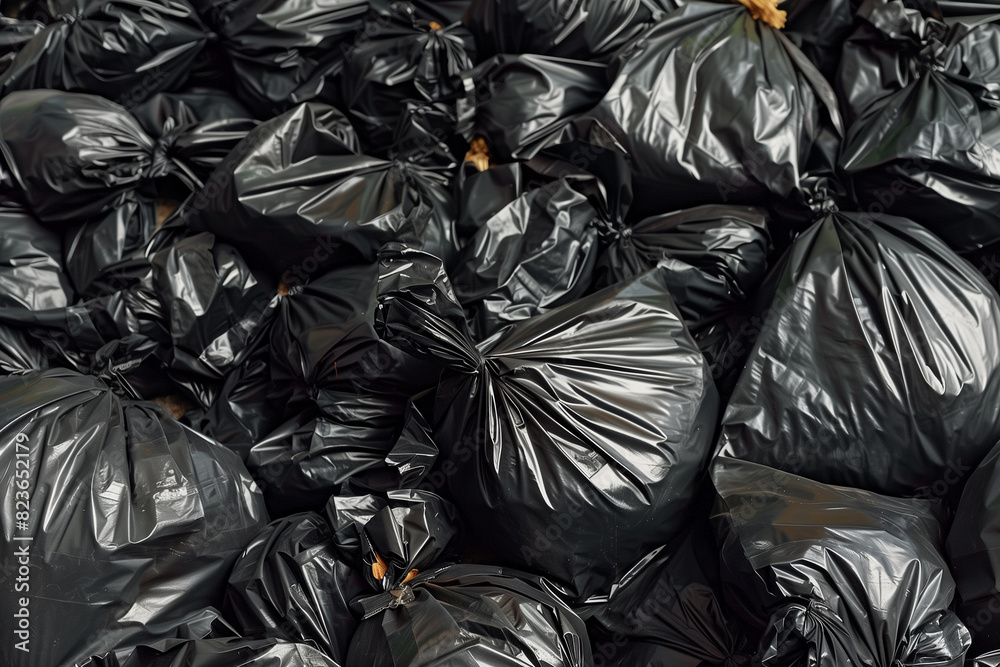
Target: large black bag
x,y
876,362
31,258
284,52
581,433
590,30
346,380
714,106
219,652
297,198
89,164
834,576
713,258
121,524
429,614
400,57
523,102
189,315
124,50
536,252
972,552
923,117
291,583
668,611
371,579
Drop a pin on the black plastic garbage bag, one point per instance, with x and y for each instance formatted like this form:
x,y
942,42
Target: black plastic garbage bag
x,y
284,52
88,163
590,30
458,614
469,614
31,273
122,338
835,576
425,135
371,579
219,652
293,584
991,659
124,50
311,456
121,523
876,363
973,556
297,198
20,351
199,126
400,56
298,578
581,433
535,253
713,259
923,110
181,326
214,303
819,28
76,156
241,414
668,611
335,359
967,8
714,106
14,34
521,101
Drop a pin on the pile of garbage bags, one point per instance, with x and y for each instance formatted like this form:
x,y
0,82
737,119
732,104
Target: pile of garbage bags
x,y
551,333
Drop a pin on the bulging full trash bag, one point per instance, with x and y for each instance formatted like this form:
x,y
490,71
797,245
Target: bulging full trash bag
x,y
20,351
241,414
713,259
345,379
14,34
188,318
834,576
590,30
535,253
372,578
284,52
121,523
973,556
876,361
668,609
991,659
426,612
923,118
400,56
581,433
291,583
819,28
31,262
715,106
124,50
219,652
522,102
88,164
214,304
297,198
75,156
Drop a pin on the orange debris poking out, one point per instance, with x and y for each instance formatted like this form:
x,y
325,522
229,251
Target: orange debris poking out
x,y
479,154
766,11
